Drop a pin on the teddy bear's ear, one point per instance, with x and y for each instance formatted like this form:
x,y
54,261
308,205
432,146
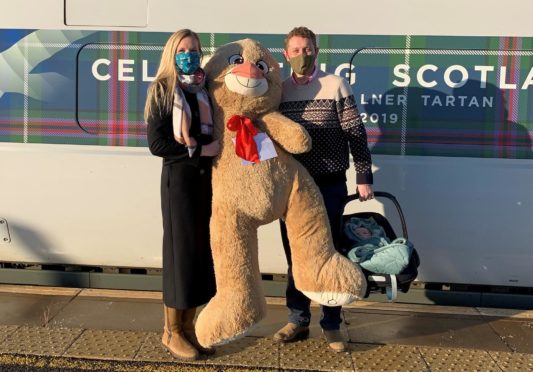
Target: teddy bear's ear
x,y
246,50
255,51
219,61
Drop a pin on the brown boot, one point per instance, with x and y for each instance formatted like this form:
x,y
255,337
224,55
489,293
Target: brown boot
x,y
291,332
173,337
190,334
335,340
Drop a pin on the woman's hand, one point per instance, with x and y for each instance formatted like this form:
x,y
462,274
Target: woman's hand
x,y
211,149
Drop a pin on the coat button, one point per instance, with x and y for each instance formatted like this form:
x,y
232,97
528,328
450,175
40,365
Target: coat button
x,y
202,171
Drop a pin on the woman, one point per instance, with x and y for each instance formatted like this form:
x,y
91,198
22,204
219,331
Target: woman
x,y
177,101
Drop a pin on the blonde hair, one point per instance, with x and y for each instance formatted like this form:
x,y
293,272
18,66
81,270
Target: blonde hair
x,y
161,91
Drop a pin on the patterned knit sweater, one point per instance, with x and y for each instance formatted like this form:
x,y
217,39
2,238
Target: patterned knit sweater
x,y
326,108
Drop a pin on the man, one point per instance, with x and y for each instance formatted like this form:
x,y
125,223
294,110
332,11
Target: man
x,y
324,104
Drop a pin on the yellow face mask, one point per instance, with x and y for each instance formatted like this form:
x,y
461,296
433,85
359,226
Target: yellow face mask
x,y
302,64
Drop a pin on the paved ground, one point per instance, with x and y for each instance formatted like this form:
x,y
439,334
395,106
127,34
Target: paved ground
x,y
68,329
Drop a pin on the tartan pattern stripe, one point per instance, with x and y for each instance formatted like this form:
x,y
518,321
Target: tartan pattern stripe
x,y
488,115
57,92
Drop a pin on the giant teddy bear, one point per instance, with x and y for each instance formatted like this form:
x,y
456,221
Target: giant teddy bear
x,y
244,84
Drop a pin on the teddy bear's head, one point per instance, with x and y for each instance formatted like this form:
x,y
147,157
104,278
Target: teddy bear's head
x,y
243,78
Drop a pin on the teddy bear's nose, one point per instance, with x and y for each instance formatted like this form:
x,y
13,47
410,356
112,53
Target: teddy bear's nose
x,y
248,70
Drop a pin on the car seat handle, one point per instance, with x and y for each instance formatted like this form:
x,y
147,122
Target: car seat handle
x,y
383,194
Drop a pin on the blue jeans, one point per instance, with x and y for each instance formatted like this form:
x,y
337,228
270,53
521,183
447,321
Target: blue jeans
x,y
334,196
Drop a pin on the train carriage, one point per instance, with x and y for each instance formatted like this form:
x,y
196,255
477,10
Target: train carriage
x,y
445,91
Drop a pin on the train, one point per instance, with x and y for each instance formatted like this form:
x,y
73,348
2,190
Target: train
x,y
445,91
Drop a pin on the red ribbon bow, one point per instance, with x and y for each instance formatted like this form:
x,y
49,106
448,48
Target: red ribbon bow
x,y
245,146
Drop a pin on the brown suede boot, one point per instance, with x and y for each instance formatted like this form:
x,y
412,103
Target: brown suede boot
x,y
190,334
173,337
335,340
291,332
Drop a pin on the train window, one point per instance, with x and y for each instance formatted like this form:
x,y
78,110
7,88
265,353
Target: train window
x,y
112,83
132,13
445,102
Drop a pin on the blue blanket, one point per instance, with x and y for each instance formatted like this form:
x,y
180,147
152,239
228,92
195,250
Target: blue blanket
x,y
376,253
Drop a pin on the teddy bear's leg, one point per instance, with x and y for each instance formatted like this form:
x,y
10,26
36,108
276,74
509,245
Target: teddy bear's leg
x,y
239,302
319,271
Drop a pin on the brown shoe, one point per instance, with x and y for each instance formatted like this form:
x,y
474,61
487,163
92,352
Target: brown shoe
x,y
173,337
335,340
291,332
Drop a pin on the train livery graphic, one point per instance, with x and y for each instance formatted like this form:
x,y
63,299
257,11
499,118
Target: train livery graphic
x,y
449,122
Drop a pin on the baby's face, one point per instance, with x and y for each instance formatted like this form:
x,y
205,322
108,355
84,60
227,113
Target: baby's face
x,y
363,232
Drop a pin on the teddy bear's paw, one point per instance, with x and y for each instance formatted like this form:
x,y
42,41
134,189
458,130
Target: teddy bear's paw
x,y
332,298
218,325
337,281
215,335
225,341
236,337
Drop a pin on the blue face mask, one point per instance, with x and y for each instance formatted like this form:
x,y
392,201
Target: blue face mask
x,y
187,62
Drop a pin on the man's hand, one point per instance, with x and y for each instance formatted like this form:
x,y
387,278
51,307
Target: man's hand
x,y
365,192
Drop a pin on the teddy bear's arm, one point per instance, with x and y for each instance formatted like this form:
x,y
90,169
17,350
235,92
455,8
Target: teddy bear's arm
x,y
288,134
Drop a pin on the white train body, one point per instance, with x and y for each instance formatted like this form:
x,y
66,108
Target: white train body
x,y
446,91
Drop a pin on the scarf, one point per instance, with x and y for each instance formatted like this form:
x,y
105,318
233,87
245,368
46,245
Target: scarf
x,y
181,115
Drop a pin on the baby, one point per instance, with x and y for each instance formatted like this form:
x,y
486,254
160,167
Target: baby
x,y
363,232
369,244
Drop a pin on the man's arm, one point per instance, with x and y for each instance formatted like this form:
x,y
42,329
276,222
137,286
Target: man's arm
x,y
355,132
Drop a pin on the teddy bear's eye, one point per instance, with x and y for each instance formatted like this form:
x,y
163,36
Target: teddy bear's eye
x,y
262,66
235,59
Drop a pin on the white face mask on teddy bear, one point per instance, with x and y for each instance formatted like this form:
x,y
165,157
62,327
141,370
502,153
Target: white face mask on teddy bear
x,y
246,78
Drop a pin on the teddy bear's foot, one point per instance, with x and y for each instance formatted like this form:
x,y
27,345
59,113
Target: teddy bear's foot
x,y
337,282
225,341
331,298
227,318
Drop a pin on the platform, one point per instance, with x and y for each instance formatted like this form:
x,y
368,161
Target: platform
x,y
69,329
